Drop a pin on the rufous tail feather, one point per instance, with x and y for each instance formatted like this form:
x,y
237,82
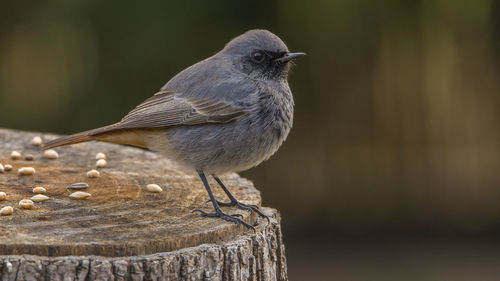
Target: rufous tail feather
x,y
111,133
78,137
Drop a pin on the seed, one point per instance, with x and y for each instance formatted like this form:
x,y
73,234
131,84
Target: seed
x,y
1,168
29,157
8,266
36,141
100,156
79,195
93,174
101,163
6,211
39,198
3,195
14,155
78,185
153,188
39,190
26,171
26,204
50,154
7,168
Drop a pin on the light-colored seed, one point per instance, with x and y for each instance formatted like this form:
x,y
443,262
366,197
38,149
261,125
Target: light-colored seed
x,y
39,198
7,168
101,163
79,195
8,265
6,211
78,185
36,141
14,155
50,154
153,188
93,174
3,195
26,171
39,190
1,168
26,204
29,157
100,156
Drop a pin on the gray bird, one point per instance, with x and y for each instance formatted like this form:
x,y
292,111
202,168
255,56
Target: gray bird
x,y
224,114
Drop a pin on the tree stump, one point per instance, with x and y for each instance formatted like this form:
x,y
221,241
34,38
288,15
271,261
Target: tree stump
x,y
123,232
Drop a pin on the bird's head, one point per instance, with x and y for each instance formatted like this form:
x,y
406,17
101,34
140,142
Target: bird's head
x,y
260,54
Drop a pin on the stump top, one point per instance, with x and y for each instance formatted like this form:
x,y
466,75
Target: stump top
x,y
120,218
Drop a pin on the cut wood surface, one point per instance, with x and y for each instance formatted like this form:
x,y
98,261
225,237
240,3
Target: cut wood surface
x,y
123,232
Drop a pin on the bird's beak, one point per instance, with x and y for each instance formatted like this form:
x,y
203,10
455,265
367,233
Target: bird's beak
x,y
290,56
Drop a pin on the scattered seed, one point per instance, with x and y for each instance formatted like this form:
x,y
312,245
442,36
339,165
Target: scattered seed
x,y
78,185
36,141
79,195
39,190
14,155
8,265
26,171
29,157
93,174
50,154
101,163
6,211
100,156
26,204
153,188
39,198
3,195
1,168
7,168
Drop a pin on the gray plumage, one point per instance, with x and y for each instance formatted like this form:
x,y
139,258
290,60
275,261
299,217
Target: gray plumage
x,y
226,113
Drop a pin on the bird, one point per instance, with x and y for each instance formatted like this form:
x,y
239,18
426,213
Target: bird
x,y
226,113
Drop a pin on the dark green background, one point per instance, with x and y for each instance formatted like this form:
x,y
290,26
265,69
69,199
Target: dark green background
x,y
396,134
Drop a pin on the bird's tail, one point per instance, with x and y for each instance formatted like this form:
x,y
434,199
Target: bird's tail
x,y
78,137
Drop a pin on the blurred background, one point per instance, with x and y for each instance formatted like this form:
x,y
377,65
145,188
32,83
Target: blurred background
x,y
391,171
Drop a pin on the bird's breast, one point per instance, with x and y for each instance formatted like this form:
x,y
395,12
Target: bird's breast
x,y
274,121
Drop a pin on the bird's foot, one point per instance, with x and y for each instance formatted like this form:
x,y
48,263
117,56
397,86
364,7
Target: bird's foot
x,y
230,218
249,207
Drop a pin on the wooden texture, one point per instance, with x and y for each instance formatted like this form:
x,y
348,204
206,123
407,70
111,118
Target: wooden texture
x,y
123,232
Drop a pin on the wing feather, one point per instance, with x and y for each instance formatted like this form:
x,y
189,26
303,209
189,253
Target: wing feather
x,y
166,109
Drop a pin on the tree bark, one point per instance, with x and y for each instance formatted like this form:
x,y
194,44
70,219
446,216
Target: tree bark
x,y
123,232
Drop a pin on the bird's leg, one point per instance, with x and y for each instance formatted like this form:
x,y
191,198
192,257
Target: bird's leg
x,y
234,202
218,211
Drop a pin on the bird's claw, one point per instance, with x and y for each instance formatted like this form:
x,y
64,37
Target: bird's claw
x,y
249,207
230,218
243,206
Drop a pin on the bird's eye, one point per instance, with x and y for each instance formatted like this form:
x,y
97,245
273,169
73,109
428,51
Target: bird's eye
x,y
258,56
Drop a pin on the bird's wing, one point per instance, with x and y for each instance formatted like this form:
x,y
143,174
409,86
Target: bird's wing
x,y
166,109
